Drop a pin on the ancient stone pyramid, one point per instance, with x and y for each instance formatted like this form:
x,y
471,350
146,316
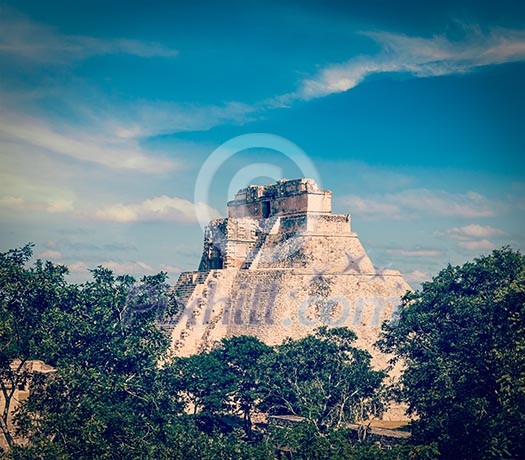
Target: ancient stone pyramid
x,y
280,265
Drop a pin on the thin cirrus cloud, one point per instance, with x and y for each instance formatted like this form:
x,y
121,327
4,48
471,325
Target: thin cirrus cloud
x,y
111,136
416,56
480,245
474,237
160,117
50,254
18,203
411,203
162,208
80,270
474,231
37,43
414,253
21,194
132,267
110,151
416,276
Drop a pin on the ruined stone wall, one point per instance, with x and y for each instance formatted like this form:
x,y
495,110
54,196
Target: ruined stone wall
x,y
326,224
284,197
227,242
215,238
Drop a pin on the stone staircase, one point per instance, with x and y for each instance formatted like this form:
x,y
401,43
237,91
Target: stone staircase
x,y
205,340
187,283
192,326
268,226
201,325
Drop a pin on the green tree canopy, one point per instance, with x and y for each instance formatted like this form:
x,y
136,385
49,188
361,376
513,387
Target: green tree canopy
x,y
226,380
462,340
26,297
117,393
105,399
242,357
323,378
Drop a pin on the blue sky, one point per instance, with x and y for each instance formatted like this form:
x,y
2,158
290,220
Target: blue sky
x,y
412,112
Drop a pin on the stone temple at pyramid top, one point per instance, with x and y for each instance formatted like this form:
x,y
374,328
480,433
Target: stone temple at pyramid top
x,y
282,198
262,222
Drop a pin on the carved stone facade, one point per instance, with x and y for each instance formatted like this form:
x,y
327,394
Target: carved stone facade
x,y
280,265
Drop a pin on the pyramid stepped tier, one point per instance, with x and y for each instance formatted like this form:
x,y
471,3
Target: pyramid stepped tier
x,y
280,265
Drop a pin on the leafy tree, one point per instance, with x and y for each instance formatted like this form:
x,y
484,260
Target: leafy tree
x,y
26,295
116,393
108,398
323,378
304,442
188,442
205,384
462,339
226,380
241,357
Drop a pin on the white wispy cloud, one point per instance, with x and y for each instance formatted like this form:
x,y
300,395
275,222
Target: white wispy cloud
x,y
441,203
480,245
414,253
19,131
170,268
37,43
412,203
474,231
133,267
474,237
105,133
21,194
151,118
50,254
416,276
370,206
161,208
418,56
18,203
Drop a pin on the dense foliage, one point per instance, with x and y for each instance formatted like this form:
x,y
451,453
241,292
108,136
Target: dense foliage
x,y
117,393
323,378
462,338
106,391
